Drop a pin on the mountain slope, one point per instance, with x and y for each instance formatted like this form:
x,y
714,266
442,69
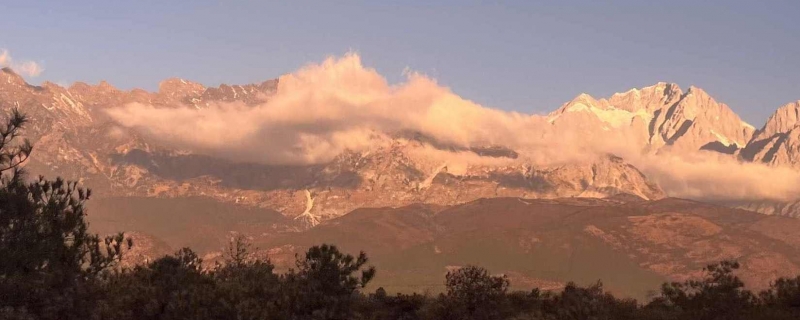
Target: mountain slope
x,y
631,245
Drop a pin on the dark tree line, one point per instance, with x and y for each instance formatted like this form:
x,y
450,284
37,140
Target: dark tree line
x,y
51,267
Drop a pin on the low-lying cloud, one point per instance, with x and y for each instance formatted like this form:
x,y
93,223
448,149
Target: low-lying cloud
x,y
25,68
324,109
709,176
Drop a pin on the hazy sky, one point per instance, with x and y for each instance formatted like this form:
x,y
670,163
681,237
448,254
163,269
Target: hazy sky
x,y
526,56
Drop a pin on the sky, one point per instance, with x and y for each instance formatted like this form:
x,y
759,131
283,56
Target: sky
x,y
526,56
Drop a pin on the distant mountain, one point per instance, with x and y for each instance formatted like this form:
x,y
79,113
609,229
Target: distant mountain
x,y
76,139
588,209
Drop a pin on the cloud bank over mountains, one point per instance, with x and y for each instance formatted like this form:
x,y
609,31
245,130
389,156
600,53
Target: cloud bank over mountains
x,y
323,109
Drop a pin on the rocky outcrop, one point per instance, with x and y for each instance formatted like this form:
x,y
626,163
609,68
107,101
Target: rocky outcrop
x,y
778,142
660,118
783,120
180,89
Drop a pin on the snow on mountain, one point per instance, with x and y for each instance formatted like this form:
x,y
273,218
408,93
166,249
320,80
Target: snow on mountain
x,y
662,116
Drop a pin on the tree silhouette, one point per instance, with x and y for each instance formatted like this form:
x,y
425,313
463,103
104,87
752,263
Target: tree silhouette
x,y
474,294
720,295
591,302
49,259
248,286
324,284
783,295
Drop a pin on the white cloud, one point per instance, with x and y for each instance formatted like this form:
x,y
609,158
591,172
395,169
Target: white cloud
x,y
323,109
5,58
25,68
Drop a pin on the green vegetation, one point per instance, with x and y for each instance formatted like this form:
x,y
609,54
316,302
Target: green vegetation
x,y
51,267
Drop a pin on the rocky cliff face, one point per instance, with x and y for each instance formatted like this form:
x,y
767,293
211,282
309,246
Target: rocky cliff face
x,y
660,118
778,142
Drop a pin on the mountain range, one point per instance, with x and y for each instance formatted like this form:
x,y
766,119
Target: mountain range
x,y
439,202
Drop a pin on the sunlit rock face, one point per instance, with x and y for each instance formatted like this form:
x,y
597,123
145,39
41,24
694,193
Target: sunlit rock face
x,y
777,142
659,118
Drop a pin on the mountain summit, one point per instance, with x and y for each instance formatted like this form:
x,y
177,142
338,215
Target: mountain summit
x,y
660,117
778,142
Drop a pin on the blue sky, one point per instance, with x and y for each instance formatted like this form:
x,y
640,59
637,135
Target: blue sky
x,y
527,56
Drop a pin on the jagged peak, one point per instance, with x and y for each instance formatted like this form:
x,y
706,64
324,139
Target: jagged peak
x,y
106,86
707,103
51,85
661,86
82,89
635,100
12,77
628,100
794,105
78,85
583,99
630,91
782,120
171,85
658,86
696,90
703,94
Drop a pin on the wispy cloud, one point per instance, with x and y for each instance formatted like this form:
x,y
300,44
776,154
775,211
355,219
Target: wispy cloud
x,y
26,68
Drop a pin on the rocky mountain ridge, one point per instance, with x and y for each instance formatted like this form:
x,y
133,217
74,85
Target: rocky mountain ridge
x,y
662,117
75,138
778,142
